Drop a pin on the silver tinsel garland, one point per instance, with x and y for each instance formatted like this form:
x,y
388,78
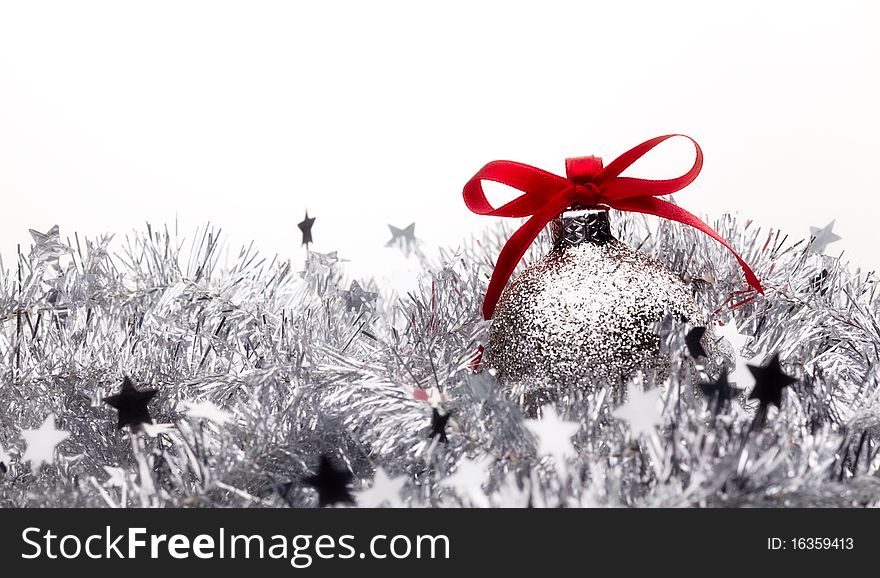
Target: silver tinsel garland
x,y
297,368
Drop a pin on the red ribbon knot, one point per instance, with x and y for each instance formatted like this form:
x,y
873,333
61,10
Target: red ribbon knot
x,y
587,184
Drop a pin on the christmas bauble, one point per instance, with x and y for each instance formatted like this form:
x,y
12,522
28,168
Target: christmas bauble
x,y
584,314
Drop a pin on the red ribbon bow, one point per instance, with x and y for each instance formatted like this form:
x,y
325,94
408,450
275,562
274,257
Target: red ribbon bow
x,y
587,184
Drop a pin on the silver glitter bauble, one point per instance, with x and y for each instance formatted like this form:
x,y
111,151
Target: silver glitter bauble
x,y
584,314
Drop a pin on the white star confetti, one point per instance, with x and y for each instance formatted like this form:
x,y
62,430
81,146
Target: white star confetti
x,y
207,410
730,332
468,479
640,410
154,430
385,491
41,443
554,435
116,479
740,375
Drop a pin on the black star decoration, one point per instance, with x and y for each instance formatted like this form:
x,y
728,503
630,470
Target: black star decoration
x,y
770,380
720,390
694,345
438,425
131,403
331,484
306,227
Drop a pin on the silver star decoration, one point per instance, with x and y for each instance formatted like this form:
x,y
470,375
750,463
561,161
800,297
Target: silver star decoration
x,y
320,262
404,238
822,237
41,443
208,411
320,272
48,246
326,259
482,384
385,491
554,435
356,298
740,374
640,410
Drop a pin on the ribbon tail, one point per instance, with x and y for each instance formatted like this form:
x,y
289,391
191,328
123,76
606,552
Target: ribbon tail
x,y
665,209
513,252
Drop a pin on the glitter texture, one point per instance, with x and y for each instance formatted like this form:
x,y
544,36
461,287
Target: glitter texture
x,y
585,314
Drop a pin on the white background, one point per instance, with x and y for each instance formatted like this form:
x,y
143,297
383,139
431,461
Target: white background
x,y
367,113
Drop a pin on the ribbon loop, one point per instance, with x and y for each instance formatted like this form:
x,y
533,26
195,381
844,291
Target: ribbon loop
x,y
582,170
587,184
